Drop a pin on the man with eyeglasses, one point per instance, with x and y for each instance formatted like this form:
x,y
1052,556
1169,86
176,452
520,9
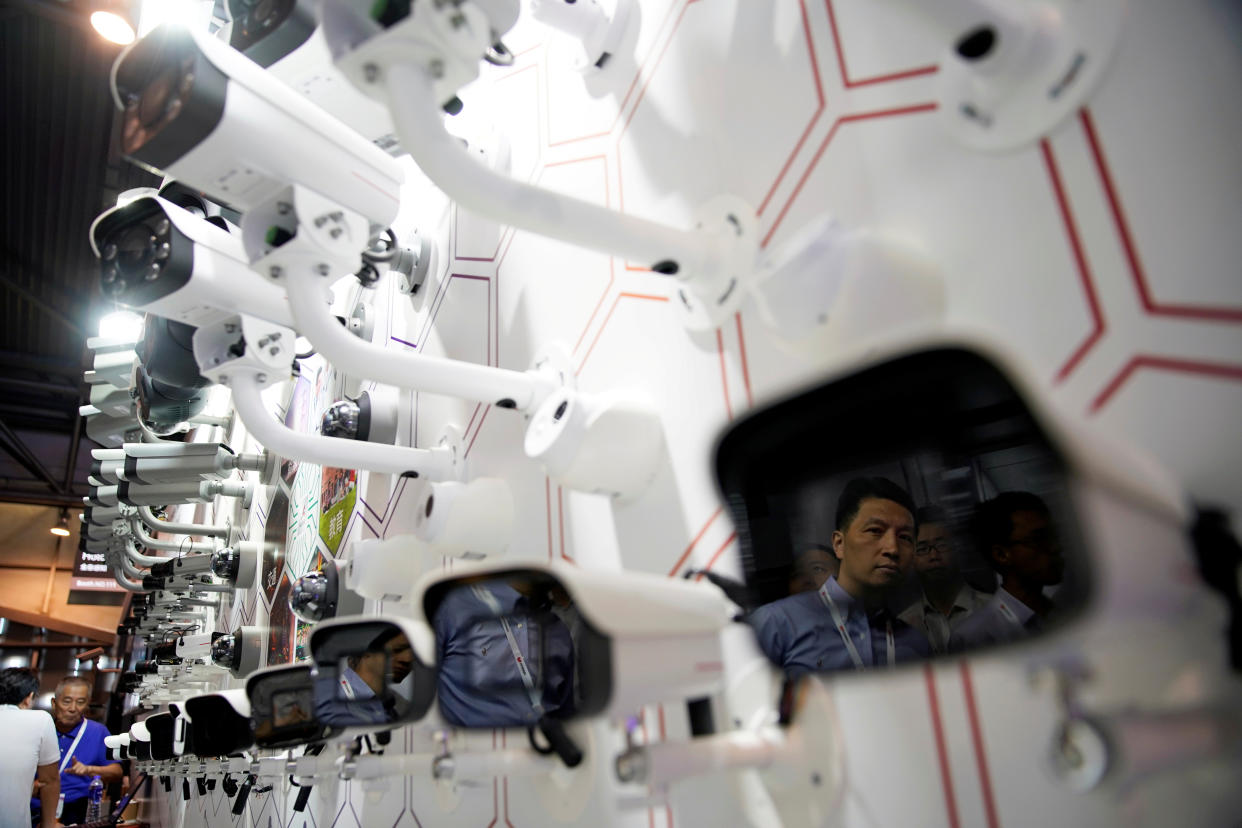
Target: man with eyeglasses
x,y
1016,535
946,600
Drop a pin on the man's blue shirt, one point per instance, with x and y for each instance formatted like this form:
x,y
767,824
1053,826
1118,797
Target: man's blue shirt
x,y
479,683
798,633
353,708
90,751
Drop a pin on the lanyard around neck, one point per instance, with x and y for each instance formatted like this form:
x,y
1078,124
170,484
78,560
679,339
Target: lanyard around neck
x,y
839,621
64,762
1008,614
523,669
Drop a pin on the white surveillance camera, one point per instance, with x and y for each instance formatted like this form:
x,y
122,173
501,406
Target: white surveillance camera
x,y
372,673
385,569
283,705
220,722
139,741
117,746
320,594
285,39
465,520
194,647
640,639
237,565
157,257
206,114
373,417
160,727
611,443
182,566
165,494
240,651
207,461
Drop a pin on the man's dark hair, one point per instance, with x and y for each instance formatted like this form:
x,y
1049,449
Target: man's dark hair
x,y
931,514
861,488
16,683
375,645
993,520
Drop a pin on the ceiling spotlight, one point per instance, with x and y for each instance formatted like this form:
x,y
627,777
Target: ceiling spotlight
x,y
61,528
112,21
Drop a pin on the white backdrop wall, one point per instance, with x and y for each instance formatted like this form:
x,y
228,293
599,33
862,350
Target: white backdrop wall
x,y
1106,255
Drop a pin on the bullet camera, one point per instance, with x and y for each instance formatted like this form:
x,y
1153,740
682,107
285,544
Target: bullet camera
x,y
157,257
206,114
118,747
193,647
640,638
285,39
220,722
139,741
239,651
160,727
282,706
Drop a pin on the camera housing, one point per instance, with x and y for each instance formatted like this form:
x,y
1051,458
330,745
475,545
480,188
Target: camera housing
x,y
651,638
320,594
239,652
220,722
160,258
209,116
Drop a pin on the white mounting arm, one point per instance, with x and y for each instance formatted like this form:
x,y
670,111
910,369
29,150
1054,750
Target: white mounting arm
x,y
137,558
183,546
126,583
419,123
197,529
353,356
434,464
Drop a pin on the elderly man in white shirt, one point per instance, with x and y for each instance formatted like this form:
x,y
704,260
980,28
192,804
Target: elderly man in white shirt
x,y
946,600
31,751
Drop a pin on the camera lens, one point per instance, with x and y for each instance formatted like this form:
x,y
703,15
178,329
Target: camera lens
x,y
226,564
136,252
159,101
223,652
341,420
309,598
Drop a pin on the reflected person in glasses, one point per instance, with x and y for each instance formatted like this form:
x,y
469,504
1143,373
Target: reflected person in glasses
x,y
946,600
1015,534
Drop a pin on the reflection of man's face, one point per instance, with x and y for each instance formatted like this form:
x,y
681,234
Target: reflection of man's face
x,y
70,704
1034,552
876,548
811,569
935,554
401,657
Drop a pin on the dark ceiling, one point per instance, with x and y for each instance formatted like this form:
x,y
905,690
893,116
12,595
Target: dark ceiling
x,y
61,169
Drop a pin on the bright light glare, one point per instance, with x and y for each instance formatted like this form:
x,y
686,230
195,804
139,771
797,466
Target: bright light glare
x,y
193,14
60,530
113,27
125,326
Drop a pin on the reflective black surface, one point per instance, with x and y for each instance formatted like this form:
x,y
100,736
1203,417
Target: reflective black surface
x,y
512,649
910,510
368,676
282,706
